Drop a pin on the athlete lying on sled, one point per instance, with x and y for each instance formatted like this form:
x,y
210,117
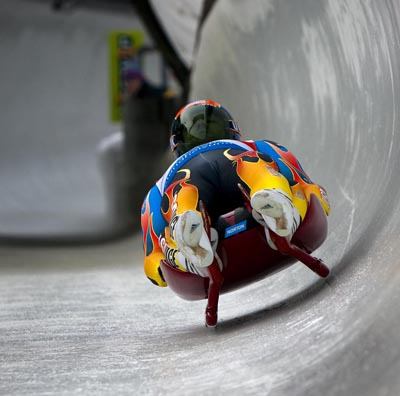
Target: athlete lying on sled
x,y
216,173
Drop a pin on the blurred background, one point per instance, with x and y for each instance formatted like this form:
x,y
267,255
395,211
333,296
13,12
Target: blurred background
x,y
87,70
88,91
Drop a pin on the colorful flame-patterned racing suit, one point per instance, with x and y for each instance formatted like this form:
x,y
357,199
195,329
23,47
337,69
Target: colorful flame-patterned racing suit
x,y
211,173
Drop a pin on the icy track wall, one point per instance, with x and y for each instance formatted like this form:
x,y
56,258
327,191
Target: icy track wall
x,y
322,78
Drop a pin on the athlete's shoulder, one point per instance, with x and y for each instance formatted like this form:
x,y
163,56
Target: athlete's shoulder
x,y
265,145
276,151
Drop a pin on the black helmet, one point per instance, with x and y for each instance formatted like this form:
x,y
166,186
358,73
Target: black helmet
x,y
201,122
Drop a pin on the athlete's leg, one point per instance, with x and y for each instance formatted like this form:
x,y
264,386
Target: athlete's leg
x,y
186,234
271,197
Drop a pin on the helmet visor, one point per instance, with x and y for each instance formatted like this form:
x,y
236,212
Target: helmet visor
x,y
198,127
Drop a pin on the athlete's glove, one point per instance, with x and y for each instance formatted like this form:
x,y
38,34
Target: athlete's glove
x,y
275,211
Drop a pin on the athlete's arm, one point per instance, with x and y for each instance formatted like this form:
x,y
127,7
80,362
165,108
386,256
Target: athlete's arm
x,y
302,181
152,226
290,167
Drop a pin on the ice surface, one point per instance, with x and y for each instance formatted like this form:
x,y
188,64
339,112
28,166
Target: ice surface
x,y
323,79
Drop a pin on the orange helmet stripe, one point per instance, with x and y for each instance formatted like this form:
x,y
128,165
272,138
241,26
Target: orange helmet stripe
x,y
209,102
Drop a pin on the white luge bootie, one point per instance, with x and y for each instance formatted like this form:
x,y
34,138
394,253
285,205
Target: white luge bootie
x,y
192,239
277,211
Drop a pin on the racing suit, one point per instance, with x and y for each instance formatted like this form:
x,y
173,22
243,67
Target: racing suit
x,y
210,173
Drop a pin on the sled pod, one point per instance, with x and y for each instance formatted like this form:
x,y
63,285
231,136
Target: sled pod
x,y
245,253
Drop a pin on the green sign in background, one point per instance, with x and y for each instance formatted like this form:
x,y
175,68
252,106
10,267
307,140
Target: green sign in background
x,y
123,49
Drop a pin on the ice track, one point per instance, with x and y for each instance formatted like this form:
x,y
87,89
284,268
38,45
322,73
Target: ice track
x,y
323,79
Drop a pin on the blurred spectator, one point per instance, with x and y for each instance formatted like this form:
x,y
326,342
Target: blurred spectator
x,y
148,111
138,87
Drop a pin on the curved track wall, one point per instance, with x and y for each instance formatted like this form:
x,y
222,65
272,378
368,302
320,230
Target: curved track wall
x,y
323,79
